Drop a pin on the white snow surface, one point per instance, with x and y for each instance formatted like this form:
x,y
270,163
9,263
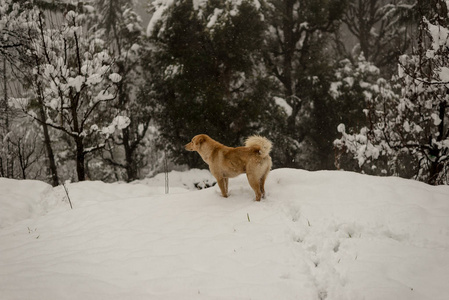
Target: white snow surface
x,y
317,235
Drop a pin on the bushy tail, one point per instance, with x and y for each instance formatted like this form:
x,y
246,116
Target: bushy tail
x,y
259,141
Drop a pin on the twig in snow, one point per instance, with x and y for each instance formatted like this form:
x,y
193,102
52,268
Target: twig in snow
x,y
67,193
167,186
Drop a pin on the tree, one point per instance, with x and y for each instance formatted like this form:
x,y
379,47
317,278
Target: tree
x,y
356,85
73,82
205,76
296,56
380,29
125,35
14,19
22,149
412,126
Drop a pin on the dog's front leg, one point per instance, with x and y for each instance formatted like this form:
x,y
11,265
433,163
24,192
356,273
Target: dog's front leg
x,y
226,180
223,184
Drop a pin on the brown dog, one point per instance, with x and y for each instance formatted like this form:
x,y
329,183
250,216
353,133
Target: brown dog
x,y
227,162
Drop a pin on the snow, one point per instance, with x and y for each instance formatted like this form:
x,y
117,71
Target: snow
x,y
213,19
334,89
284,105
114,77
406,126
436,119
444,74
440,35
76,82
160,6
317,235
119,122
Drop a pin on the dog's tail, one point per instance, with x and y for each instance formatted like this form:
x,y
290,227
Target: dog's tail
x,y
261,142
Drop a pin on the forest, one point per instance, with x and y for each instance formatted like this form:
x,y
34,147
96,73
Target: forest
x,y
89,91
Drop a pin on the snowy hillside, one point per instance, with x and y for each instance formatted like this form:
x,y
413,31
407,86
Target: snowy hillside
x,y
317,235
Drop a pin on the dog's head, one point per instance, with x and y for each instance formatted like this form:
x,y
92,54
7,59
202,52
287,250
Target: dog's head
x,y
196,142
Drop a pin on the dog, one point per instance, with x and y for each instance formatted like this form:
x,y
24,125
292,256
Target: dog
x,y
227,162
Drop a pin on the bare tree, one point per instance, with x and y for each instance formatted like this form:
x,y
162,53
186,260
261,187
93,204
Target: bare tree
x,y
16,41
380,29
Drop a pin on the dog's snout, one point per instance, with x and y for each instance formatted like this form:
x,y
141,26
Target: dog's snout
x,y
188,146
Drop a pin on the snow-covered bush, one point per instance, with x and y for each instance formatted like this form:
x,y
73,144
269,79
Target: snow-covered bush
x,y
354,86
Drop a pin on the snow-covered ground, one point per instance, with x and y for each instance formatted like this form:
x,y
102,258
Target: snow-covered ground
x,y
317,235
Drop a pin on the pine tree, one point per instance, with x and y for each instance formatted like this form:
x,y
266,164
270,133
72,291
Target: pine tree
x,y
297,55
206,79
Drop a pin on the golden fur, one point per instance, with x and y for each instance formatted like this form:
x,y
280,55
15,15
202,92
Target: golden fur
x,y
227,162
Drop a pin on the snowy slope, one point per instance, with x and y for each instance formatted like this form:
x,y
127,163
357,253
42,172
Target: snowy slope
x,y
317,235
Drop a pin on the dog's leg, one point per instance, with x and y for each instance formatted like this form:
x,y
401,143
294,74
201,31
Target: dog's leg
x,y
262,183
226,180
222,183
254,182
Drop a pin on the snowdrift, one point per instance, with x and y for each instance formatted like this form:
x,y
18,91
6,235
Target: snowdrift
x,y
317,235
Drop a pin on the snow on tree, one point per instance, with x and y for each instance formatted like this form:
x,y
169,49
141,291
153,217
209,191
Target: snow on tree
x,y
356,84
72,79
379,27
14,28
126,37
410,126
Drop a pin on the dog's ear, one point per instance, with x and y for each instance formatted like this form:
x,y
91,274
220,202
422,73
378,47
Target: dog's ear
x,y
200,140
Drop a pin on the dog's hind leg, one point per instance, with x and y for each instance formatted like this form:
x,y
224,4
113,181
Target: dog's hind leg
x,y
254,182
264,177
262,183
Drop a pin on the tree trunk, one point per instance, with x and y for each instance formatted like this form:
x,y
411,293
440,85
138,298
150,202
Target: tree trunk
x,y
9,157
80,158
50,154
288,79
131,168
436,167
47,141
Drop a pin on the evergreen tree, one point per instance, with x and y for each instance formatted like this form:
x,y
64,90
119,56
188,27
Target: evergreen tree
x,y
297,56
206,76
